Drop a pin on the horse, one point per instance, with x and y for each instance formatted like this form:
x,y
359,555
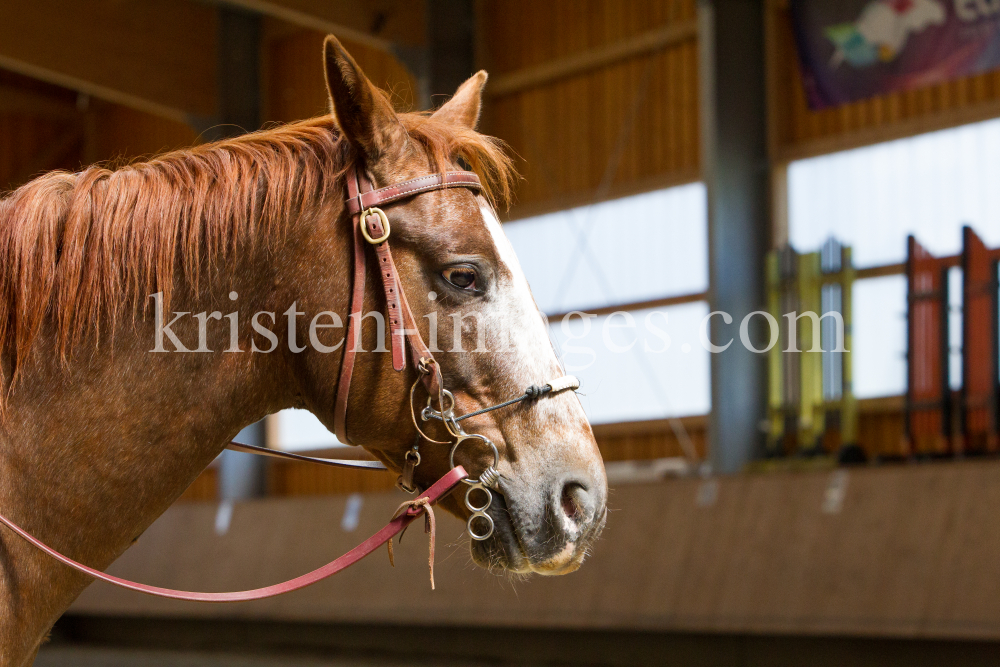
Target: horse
x,y
122,378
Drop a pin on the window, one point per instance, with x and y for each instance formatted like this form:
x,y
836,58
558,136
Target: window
x,y
879,337
622,254
628,250
643,364
299,430
871,198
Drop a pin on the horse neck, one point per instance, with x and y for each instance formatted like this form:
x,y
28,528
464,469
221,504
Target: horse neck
x,y
91,454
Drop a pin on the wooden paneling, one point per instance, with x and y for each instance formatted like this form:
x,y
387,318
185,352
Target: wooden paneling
x,y
295,86
908,551
880,426
629,126
45,127
799,132
123,134
30,145
155,55
40,129
205,487
640,441
287,478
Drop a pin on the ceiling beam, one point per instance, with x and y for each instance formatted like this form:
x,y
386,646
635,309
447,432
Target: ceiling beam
x,y
602,56
157,56
380,24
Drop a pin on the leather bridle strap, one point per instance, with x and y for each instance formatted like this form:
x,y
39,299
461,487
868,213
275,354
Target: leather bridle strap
x,y
438,490
414,186
370,227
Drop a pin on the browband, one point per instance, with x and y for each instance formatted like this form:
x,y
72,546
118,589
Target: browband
x,y
414,186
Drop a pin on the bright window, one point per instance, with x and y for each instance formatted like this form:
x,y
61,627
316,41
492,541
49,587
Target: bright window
x,y
871,198
297,430
879,337
632,249
646,364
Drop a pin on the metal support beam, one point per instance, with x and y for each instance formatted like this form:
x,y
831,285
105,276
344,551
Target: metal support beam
x,y
241,476
736,168
450,45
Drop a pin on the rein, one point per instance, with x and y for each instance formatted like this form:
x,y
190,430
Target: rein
x,y
371,227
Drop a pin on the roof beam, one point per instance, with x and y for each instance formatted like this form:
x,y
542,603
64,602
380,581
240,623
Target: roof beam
x,y
591,59
380,24
156,56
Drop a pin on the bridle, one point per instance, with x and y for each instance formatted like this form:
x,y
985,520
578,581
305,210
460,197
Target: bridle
x,y
371,227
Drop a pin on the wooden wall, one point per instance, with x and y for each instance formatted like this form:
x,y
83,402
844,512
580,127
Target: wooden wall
x,y
40,129
294,87
625,126
798,132
45,127
905,551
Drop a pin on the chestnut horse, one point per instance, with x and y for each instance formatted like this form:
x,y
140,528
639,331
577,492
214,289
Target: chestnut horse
x,y
99,433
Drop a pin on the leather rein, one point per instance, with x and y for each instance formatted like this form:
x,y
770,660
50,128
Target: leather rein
x,y
371,227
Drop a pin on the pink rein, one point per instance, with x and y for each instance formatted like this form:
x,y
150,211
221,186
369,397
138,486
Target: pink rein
x,y
413,509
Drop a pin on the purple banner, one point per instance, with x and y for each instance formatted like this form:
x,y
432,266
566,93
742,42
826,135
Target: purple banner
x,y
854,49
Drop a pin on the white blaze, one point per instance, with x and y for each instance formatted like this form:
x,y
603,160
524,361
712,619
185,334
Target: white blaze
x,y
532,358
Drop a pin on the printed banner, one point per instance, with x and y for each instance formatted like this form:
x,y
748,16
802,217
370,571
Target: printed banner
x,y
854,49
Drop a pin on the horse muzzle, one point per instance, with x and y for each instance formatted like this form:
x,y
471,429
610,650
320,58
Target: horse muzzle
x,y
548,530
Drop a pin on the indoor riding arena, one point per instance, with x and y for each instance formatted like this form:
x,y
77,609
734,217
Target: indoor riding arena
x,y
357,333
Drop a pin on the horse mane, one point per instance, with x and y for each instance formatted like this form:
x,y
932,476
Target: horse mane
x,y
80,249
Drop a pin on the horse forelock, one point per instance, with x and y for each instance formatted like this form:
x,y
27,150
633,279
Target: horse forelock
x,y
81,249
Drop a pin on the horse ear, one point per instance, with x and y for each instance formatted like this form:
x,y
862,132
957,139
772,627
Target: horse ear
x,y
363,113
463,108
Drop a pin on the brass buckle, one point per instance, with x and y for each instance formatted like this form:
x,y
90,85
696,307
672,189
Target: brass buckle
x,y
385,224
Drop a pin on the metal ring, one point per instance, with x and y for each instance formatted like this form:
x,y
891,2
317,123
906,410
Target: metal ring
x,y
385,224
496,453
468,502
451,404
479,537
413,455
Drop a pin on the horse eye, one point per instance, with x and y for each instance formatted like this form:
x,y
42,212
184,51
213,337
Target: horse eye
x,y
461,277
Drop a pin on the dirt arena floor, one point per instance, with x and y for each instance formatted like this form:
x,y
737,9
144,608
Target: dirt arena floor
x,y
127,642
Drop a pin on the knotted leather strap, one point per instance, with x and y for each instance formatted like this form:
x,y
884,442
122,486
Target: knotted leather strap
x,y
429,527
399,522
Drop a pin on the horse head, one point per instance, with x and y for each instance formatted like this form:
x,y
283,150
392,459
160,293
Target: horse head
x,y
471,302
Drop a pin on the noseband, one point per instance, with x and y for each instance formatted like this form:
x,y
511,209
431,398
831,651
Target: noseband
x,y
371,227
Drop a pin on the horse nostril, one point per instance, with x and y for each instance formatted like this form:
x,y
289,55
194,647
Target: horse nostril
x,y
575,501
